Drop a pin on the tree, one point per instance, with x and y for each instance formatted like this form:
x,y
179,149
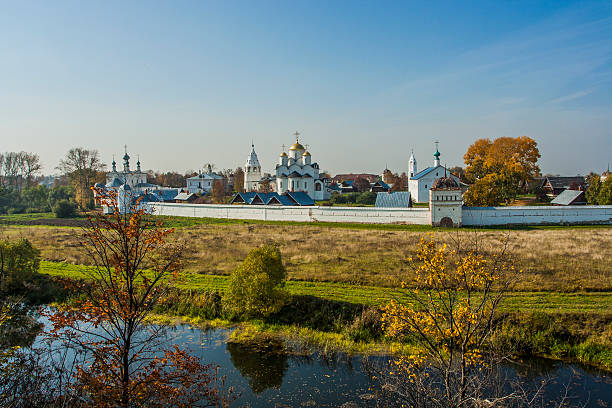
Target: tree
x,y
366,198
511,160
218,191
485,192
132,268
265,187
19,261
82,166
30,166
592,192
459,172
361,185
64,209
256,286
18,169
239,180
605,192
448,319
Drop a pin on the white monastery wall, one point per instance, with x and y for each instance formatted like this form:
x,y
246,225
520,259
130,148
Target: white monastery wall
x,y
371,215
471,216
577,214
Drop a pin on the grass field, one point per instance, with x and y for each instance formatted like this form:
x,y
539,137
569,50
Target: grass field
x,y
551,259
548,302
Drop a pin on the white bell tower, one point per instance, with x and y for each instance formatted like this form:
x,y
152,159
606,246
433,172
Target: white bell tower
x,y
252,171
412,166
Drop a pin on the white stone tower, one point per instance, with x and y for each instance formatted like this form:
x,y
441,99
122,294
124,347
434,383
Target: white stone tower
x,y
252,171
445,203
436,162
412,166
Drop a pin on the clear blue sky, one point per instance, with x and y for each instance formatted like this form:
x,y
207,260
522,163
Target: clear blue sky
x,y
185,83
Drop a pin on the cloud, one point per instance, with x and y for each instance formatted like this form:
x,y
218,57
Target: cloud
x,y
572,96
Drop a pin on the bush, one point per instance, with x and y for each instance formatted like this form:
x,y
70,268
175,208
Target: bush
x,y
64,209
367,198
256,286
20,262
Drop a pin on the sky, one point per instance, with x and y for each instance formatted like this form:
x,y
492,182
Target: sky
x,y
184,83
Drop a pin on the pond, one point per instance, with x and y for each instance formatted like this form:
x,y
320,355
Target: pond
x,y
275,378
268,375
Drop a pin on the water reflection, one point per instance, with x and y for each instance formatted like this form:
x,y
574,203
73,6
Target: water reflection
x,y
21,329
268,375
263,367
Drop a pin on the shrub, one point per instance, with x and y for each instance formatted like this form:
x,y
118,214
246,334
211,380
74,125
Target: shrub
x,y
64,209
367,326
20,262
256,286
367,198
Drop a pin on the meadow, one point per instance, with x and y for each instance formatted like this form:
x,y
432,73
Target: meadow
x,y
559,259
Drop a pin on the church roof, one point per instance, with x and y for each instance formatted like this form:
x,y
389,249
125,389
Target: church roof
x,y
398,199
145,185
297,146
295,174
381,184
445,183
167,194
288,199
300,197
252,160
184,196
424,172
569,197
206,176
116,182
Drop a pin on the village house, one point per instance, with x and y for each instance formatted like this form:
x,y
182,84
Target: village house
x,y
555,185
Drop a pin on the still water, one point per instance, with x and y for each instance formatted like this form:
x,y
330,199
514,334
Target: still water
x,y
268,375
275,378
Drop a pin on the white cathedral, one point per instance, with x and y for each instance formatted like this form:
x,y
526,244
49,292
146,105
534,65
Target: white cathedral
x,y
420,182
294,172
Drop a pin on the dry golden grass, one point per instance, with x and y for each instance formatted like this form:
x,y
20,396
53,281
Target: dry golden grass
x,y
551,259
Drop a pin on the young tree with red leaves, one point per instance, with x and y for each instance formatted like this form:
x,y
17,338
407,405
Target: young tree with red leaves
x,y
125,364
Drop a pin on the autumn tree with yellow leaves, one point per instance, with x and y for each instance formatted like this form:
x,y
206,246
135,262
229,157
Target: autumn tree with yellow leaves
x,y
124,362
499,169
447,317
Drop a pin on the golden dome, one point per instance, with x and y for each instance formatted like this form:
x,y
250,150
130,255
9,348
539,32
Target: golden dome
x,y
283,154
306,153
297,146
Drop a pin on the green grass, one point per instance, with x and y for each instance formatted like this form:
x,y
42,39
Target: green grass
x,y
27,217
547,302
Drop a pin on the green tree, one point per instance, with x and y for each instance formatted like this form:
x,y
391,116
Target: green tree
x,y
64,209
36,199
605,192
256,287
367,198
592,193
19,262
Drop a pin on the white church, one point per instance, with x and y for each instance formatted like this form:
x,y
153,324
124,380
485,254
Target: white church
x,y
420,182
130,185
295,172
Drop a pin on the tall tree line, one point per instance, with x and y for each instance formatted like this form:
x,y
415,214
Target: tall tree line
x,y
18,169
